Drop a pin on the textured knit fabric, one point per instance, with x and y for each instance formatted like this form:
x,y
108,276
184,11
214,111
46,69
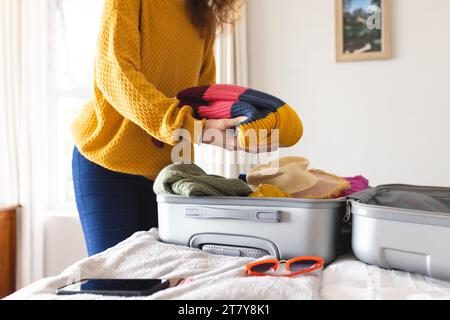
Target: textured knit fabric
x,y
357,184
269,191
262,110
112,205
190,180
148,51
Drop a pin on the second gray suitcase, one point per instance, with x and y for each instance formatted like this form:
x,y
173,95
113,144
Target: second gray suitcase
x,y
254,227
403,227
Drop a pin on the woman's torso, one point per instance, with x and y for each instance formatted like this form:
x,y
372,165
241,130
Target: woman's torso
x,y
172,55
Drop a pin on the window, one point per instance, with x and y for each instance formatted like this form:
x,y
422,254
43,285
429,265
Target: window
x,y
73,28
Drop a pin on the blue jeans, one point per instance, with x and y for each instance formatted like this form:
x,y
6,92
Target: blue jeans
x,y
112,206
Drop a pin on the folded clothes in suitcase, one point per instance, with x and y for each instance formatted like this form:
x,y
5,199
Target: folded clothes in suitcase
x,y
279,227
403,227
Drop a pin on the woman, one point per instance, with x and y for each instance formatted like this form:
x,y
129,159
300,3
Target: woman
x,y
148,51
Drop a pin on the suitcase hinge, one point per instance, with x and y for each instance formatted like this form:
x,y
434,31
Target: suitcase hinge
x,y
348,212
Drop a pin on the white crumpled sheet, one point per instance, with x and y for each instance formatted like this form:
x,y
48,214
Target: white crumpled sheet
x,y
223,278
350,279
143,256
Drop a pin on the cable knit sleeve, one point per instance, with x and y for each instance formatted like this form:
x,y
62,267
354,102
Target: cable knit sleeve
x,y
125,87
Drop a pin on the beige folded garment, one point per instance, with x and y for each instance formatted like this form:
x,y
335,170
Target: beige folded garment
x,y
292,175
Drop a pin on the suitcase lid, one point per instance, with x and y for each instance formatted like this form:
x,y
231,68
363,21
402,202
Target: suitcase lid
x,y
405,203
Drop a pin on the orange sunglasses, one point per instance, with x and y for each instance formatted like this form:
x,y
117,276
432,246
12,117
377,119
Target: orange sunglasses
x,y
296,266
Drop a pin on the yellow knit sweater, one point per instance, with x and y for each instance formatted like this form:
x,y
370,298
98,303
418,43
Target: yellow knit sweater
x,y
148,51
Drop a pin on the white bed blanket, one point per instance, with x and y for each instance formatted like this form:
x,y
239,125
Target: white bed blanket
x,y
223,278
143,256
350,279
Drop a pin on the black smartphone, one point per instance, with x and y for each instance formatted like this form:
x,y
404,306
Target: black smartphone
x,y
119,287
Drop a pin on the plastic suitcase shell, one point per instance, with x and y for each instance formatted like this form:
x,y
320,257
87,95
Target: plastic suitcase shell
x,y
403,239
282,228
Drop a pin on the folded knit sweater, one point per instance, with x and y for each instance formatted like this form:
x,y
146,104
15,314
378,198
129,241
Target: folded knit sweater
x,y
190,180
262,110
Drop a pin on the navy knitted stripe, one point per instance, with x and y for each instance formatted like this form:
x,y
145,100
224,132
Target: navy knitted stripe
x,y
261,100
193,96
245,109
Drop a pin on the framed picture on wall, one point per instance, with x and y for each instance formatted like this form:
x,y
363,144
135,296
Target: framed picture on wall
x,y
363,30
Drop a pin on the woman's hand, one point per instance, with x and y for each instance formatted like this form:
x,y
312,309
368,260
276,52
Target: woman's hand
x,y
223,124
220,133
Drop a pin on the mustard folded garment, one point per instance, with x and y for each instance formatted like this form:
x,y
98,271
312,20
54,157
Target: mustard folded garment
x,y
269,191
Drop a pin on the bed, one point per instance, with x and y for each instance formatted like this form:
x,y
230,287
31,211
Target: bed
x,y
222,278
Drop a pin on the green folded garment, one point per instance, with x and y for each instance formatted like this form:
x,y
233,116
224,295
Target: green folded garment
x,y
190,180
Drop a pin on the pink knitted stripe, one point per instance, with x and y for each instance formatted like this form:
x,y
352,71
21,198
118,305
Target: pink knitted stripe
x,y
216,110
223,92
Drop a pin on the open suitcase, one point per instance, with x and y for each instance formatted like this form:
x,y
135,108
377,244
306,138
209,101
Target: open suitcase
x,y
254,227
386,234
396,232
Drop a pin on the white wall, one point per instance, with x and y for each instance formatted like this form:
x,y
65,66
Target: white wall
x,y
64,244
389,120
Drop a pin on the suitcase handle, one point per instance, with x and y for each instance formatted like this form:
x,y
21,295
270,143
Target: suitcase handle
x,y
256,215
234,251
202,239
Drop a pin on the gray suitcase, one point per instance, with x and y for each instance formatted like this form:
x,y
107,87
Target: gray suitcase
x,y
411,235
253,227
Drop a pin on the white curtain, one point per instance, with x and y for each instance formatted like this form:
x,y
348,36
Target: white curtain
x,y
232,68
23,91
